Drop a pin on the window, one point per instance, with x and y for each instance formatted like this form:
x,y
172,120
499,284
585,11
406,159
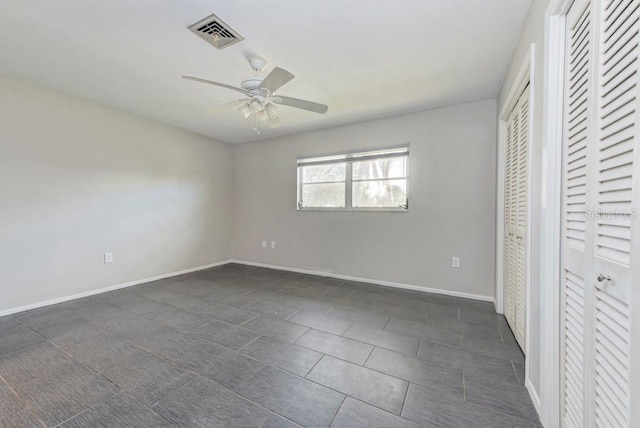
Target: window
x,y
375,180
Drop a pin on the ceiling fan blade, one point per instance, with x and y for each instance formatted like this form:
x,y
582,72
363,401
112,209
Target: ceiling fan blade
x,y
275,123
211,82
305,105
225,107
276,79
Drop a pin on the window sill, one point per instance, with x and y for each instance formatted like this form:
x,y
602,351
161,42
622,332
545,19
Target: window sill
x,y
359,210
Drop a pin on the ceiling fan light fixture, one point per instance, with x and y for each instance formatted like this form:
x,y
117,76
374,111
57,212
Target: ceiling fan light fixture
x,y
272,110
245,110
256,105
262,115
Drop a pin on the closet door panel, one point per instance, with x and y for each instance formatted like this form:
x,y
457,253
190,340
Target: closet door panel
x,y
601,176
516,209
522,194
615,170
578,108
507,263
511,220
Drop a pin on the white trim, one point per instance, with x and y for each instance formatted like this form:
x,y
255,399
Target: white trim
x,y
348,158
500,206
242,262
369,280
529,247
356,209
522,79
525,76
107,289
535,399
344,155
554,36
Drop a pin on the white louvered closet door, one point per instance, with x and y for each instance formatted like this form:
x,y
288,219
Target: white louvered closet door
x,y
509,226
516,195
578,130
522,194
601,236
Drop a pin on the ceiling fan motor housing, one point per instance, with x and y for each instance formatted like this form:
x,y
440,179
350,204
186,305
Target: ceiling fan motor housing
x,y
251,83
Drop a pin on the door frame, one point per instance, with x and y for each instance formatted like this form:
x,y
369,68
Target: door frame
x,y
551,215
525,76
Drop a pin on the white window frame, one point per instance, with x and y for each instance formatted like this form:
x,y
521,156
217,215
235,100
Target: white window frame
x,y
348,158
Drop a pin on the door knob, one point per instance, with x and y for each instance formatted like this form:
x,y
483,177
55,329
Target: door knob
x,y
602,277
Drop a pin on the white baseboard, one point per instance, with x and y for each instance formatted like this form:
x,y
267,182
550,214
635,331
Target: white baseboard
x,y
107,289
534,396
243,262
369,280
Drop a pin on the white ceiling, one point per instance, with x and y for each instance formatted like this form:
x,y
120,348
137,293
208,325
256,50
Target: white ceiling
x,y
365,59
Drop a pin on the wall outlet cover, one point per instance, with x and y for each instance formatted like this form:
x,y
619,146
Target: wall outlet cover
x,y
455,262
108,257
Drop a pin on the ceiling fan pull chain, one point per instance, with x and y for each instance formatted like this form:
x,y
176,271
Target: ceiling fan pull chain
x,y
255,124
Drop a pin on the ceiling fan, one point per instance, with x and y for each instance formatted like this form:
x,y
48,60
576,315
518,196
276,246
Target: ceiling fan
x,y
261,100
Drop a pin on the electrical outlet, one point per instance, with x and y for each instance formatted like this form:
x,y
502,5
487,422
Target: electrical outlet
x,y
264,244
455,262
108,257
273,244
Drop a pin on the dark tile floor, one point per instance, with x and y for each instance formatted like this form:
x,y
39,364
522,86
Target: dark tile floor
x,y
252,347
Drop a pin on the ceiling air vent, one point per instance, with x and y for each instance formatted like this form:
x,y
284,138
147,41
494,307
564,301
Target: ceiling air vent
x,y
216,32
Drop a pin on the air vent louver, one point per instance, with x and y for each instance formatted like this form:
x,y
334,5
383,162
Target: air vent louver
x,y
216,32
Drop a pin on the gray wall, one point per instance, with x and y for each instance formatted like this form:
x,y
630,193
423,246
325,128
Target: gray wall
x,y
533,32
78,179
452,203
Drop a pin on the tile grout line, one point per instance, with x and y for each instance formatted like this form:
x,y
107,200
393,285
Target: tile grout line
x,y
336,390
335,358
77,414
464,386
242,347
373,347
404,400
145,349
91,370
348,362
255,402
30,328
314,365
248,304
26,403
286,418
292,315
80,363
244,322
387,323
338,411
516,372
